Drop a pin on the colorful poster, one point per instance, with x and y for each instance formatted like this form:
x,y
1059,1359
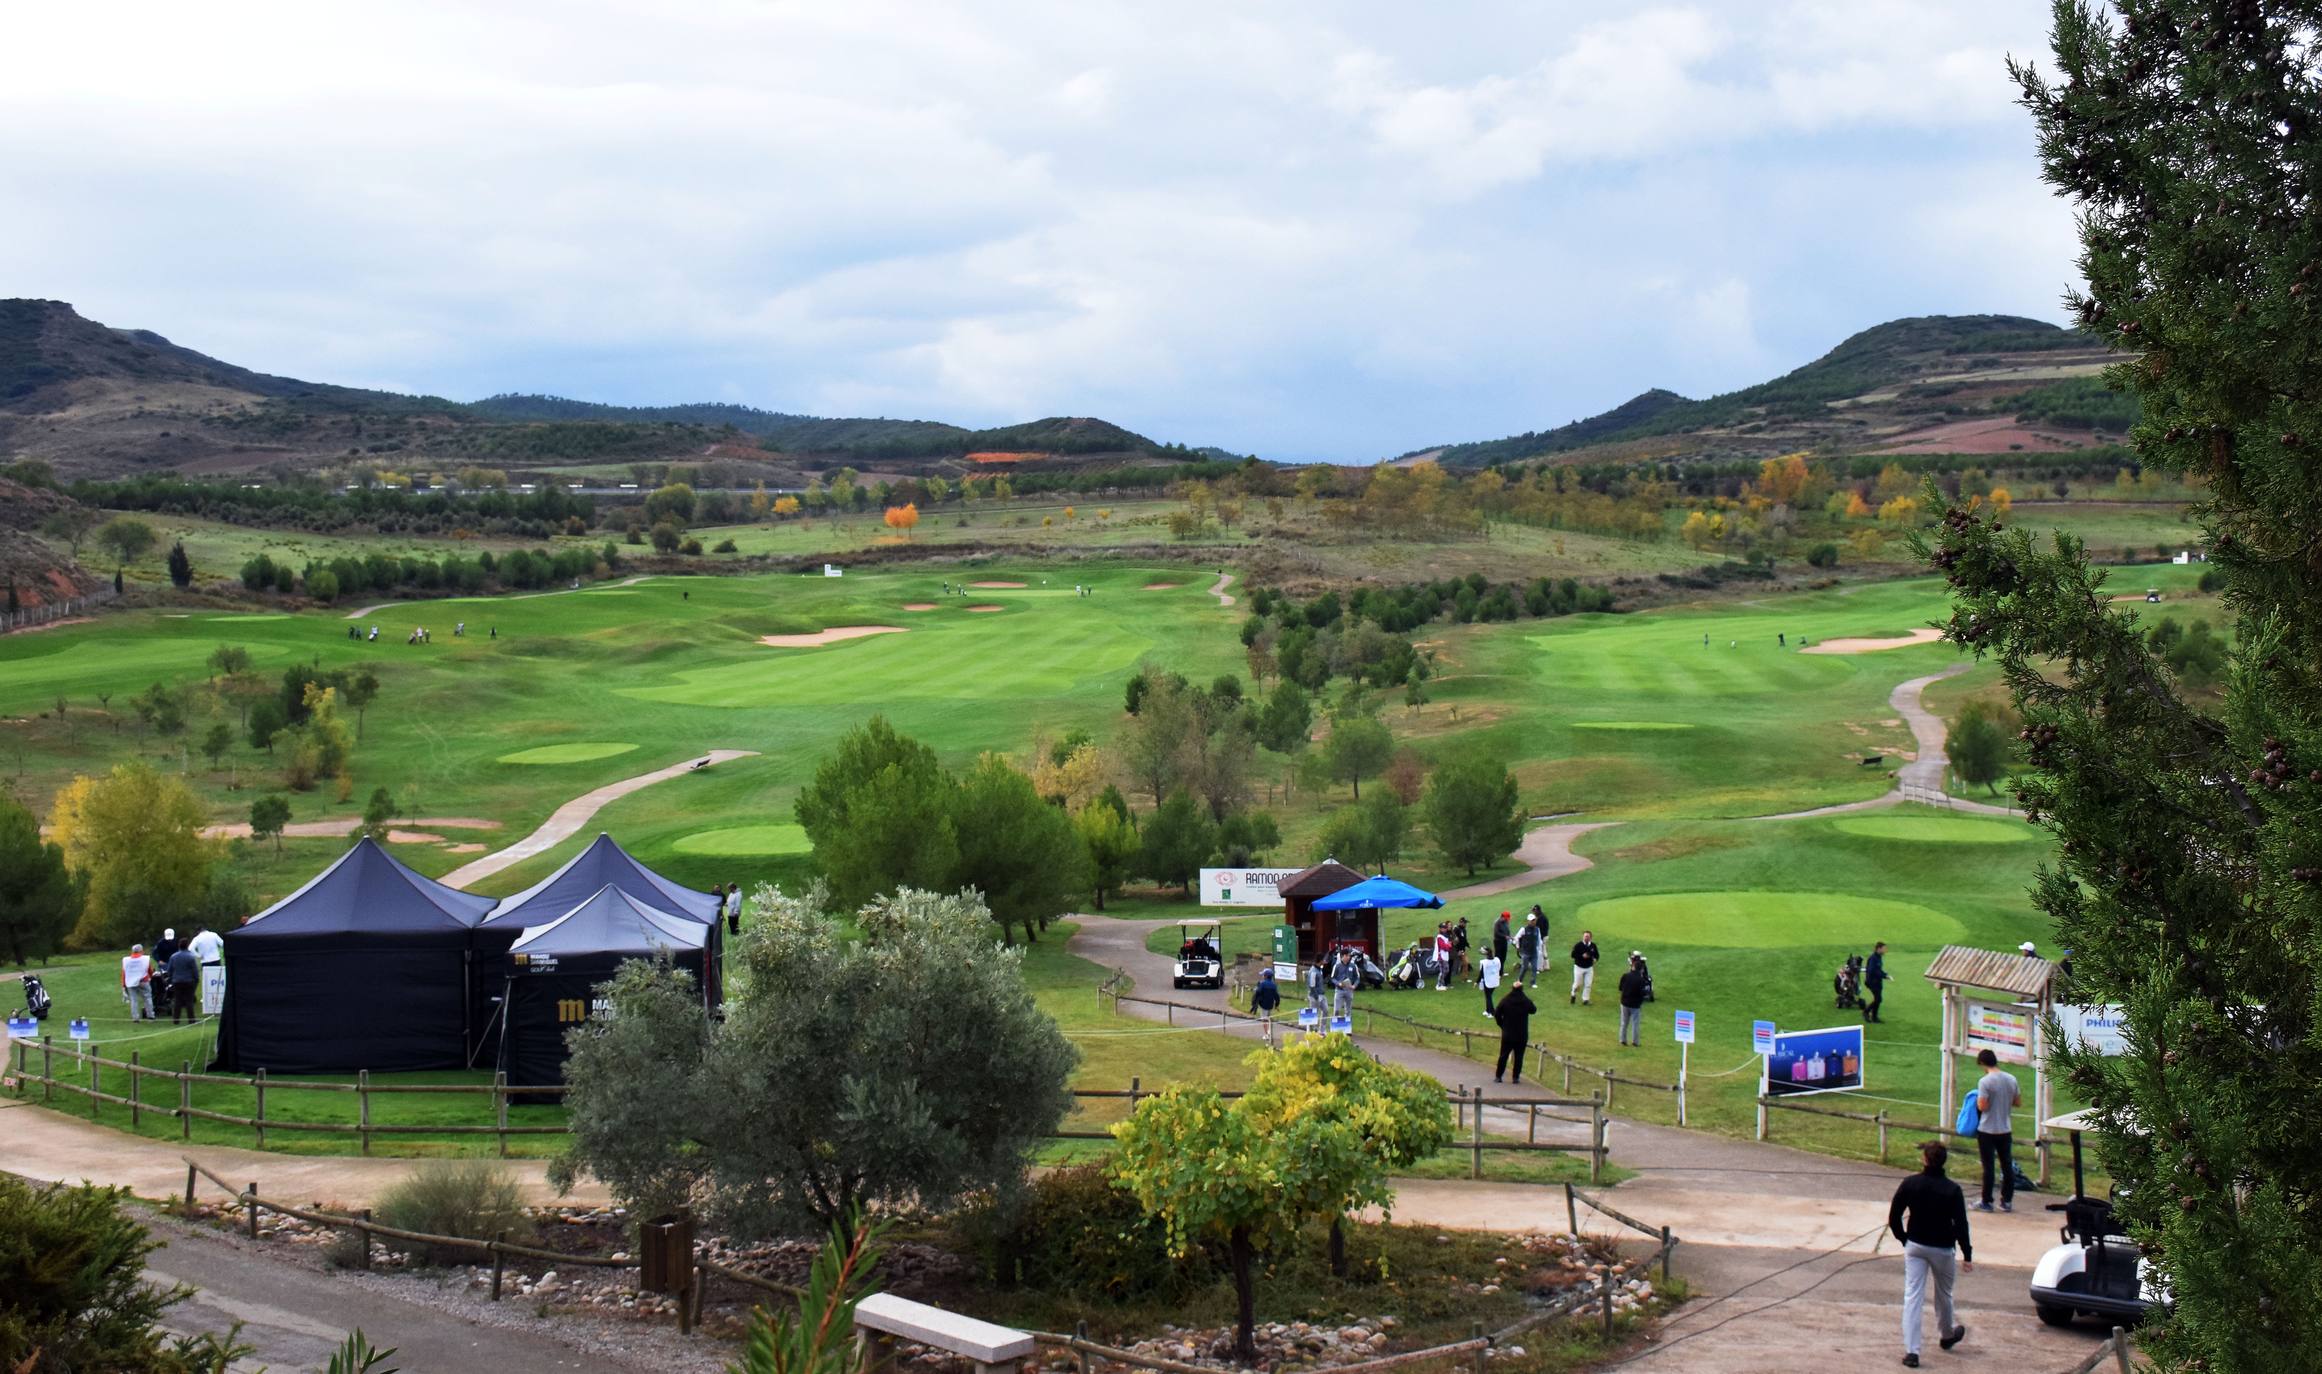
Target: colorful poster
x,y
1683,1029
2098,1028
2004,1028
1762,1037
1815,1061
1242,886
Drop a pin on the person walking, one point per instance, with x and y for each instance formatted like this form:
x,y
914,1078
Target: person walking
x,y
1996,1095
1929,1216
1633,987
210,949
1317,980
1584,957
1459,948
137,983
1515,1017
1537,914
1487,975
1874,980
185,967
1500,937
1443,950
1264,998
1528,953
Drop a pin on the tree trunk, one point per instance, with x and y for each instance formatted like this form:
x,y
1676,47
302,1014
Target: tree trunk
x,y
1338,1246
1245,1298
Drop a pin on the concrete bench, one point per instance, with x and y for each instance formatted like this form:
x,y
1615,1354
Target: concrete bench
x,y
984,1342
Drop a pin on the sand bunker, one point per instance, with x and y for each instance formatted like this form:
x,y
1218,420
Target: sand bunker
x,y
995,584
835,635
986,607
919,605
1928,635
464,849
412,837
1160,586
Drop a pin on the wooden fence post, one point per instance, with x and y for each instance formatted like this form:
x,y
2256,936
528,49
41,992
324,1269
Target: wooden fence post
x,y
1133,1081
363,1123
1882,1135
500,1107
189,1187
1532,1125
1080,1356
258,1119
89,1052
251,1198
1608,1085
365,1233
1596,1138
1761,1118
1606,1290
134,1116
1571,1211
185,1103
499,1262
1567,1077
47,1067
1475,1332
2120,1349
1668,1243
1475,1161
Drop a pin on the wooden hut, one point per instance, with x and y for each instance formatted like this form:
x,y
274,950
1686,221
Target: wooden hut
x,y
1322,930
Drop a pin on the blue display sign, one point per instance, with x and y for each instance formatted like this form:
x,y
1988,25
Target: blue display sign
x,y
80,1028
1815,1061
1342,1025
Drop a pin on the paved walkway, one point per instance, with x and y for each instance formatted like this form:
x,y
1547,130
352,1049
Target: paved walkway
x,y
1546,853
567,820
377,607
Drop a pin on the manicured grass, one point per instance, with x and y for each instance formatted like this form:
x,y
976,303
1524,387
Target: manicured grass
x,y
1761,920
568,753
739,840
1919,828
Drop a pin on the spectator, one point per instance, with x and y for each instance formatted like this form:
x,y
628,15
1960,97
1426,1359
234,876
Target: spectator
x,y
1874,981
1347,977
185,969
1633,988
211,950
1488,976
1500,937
162,949
1937,1221
1528,952
137,983
1996,1095
1459,947
1515,1018
1443,952
1584,957
1263,1000
1317,981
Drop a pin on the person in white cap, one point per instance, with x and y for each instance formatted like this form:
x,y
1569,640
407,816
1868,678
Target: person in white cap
x,y
211,950
137,983
2027,949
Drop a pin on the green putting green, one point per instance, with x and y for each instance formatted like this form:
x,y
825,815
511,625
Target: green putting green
x,y
745,841
1630,725
583,752
1762,920
1935,829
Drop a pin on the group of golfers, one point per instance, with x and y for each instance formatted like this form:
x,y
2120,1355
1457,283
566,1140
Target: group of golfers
x,y
182,981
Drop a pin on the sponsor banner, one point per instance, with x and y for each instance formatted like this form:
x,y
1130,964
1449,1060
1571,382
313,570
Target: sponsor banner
x,y
2004,1028
2097,1028
1815,1061
1242,886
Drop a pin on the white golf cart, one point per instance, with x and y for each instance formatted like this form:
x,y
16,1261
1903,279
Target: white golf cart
x,y
1200,955
2097,1269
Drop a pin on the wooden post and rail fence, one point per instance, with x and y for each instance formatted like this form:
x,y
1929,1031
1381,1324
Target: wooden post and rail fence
x,y
1884,1121
63,1067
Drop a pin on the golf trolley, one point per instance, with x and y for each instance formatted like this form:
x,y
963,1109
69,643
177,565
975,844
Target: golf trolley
x,y
35,997
1846,984
2097,1270
1199,962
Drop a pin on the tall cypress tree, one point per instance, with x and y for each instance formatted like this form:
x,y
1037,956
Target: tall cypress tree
x,y
2189,872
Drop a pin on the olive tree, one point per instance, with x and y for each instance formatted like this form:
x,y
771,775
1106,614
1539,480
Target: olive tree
x,y
910,1064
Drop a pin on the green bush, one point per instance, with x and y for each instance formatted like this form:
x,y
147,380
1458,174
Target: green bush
x,y
473,1199
726,546
1073,1233
1823,555
73,1293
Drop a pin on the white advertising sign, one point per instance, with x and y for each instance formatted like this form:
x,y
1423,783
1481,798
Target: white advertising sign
x,y
2098,1028
1242,886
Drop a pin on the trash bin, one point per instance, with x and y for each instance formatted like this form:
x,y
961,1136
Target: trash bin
x,y
667,1254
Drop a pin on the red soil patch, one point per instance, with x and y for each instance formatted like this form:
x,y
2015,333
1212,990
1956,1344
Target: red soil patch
x,y
919,605
999,457
835,635
987,608
2000,434
55,624
996,585
412,837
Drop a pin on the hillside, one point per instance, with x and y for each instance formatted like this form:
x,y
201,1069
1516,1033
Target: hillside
x,y
95,401
1932,384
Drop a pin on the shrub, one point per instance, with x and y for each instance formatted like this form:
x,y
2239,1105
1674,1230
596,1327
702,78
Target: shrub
x,y
72,1288
1823,556
691,548
472,1199
726,546
1073,1233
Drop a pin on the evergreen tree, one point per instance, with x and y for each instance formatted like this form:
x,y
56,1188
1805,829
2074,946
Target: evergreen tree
x,y
2189,876
1978,749
1178,838
39,902
1473,811
180,566
1020,852
879,811
268,815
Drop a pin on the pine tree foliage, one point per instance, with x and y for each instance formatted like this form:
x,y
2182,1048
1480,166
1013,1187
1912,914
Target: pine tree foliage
x,y
2189,876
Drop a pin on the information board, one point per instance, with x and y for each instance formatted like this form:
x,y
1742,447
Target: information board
x,y
1242,886
2004,1028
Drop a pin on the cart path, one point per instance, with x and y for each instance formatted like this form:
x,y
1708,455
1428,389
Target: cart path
x,y
566,821
1545,853
377,607
1218,589
1924,772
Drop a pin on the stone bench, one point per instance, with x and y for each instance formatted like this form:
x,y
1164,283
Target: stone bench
x,y
986,1343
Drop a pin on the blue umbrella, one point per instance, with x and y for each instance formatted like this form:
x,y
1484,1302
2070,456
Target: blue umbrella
x,y
1375,893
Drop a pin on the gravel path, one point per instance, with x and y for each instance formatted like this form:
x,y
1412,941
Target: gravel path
x,y
1218,588
1546,853
379,606
567,820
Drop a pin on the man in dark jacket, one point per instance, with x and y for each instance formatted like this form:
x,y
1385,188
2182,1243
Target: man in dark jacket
x,y
1514,1014
1584,957
1874,980
1500,938
185,970
1929,1216
162,949
1264,998
1633,988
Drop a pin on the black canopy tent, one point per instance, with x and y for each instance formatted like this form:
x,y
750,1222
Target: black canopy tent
x,y
369,966
603,864
554,972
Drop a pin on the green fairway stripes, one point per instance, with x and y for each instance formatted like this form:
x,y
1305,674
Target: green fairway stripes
x,y
744,841
1936,829
1762,920
1630,725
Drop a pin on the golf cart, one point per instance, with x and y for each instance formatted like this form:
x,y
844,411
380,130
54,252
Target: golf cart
x,y
1199,962
2097,1269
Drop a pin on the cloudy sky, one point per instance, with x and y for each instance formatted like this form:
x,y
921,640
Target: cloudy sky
x,y
1306,230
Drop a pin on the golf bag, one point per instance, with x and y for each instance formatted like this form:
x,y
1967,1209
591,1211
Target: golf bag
x,y
1647,969
1368,970
35,997
1404,971
1846,984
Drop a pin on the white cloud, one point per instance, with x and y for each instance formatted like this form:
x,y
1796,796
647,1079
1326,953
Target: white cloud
x,y
1306,229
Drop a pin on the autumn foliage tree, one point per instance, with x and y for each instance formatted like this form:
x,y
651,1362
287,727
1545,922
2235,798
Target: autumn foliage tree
x,y
903,519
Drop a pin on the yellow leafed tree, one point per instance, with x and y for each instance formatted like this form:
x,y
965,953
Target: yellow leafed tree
x,y
135,836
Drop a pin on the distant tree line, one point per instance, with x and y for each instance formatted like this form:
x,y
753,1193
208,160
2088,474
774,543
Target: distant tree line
x,y
314,506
